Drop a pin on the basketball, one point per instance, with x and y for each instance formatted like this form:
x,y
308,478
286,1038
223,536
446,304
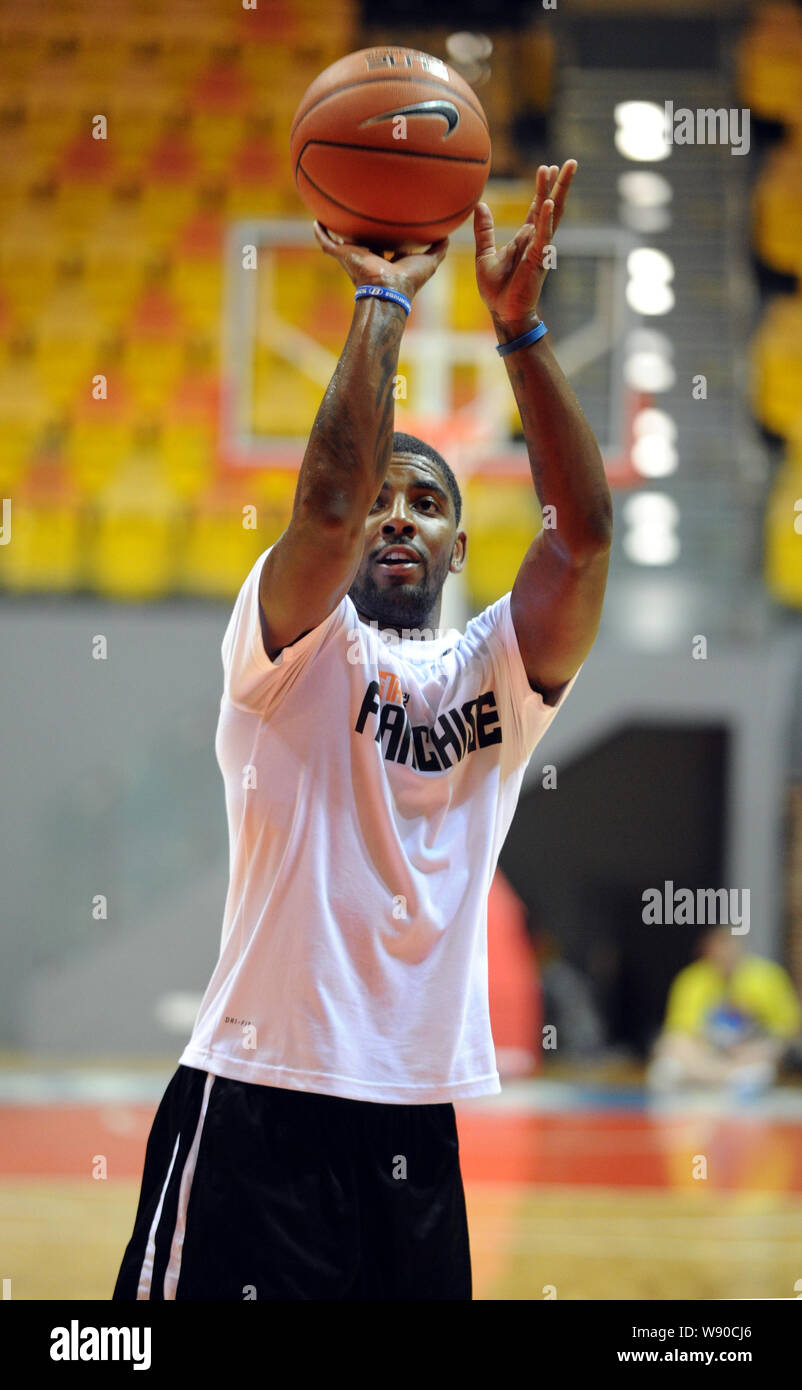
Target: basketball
x,y
390,148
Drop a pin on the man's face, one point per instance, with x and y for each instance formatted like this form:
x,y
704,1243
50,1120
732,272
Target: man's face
x,y
414,512
721,948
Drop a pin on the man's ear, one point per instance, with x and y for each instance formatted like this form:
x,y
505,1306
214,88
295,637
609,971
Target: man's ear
x,y
458,553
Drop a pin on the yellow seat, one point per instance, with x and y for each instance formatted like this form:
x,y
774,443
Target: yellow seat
x,y
24,163
133,555
219,550
18,441
46,551
166,207
502,519
69,308
188,458
248,200
469,314
152,367
783,535
777,208
136,534
96,448
184,54
23,398
284,400
121,234
32,224
769,63
776,365
112,283
66,370
198,289
216,136
79,208
275,492
25,286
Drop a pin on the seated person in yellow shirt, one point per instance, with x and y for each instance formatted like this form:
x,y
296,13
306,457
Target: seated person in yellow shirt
x,y
729,1019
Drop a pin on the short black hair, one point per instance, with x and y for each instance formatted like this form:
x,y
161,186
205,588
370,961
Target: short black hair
x,y
410,444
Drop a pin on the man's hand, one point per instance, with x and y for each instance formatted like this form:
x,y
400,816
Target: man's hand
x,y
510,280
366,267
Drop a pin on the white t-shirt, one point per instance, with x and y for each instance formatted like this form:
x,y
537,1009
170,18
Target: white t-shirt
x,y
369,789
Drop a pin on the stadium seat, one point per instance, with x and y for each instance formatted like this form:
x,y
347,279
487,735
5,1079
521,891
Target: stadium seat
x,y
769,62
47,551
95,449
776,365
502,518
216,136
19,438
777,208
152,366
188,458
783,532
136,534
284,401
26,285
66,367
219,548
470,314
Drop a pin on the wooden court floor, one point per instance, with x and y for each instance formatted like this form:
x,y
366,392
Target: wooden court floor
x,y
583,1200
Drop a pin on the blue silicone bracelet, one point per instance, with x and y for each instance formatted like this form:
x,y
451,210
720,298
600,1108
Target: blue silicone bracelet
x,y
525,339
383,292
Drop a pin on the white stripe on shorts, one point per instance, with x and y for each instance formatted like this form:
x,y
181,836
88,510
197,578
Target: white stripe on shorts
x,y
146,1272
174,1264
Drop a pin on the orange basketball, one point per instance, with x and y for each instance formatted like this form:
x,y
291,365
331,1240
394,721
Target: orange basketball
x,y
390,148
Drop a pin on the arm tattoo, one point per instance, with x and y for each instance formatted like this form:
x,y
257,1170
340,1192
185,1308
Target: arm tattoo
x,y
351,441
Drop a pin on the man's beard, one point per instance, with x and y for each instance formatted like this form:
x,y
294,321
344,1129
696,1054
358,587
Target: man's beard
x,y
404,606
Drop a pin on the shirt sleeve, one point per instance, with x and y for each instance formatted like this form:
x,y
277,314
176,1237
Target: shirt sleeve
x,y
780,1011
250,679
523,709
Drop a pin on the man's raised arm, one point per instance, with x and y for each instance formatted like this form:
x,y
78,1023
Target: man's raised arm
x,y
557,595
314,561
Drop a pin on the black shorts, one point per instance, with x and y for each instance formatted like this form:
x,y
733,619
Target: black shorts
x,y
254,1191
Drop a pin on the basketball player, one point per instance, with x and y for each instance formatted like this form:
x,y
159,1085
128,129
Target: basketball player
x,y
306,1147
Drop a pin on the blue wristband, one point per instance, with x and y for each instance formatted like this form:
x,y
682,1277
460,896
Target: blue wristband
x,y
525,339
383,292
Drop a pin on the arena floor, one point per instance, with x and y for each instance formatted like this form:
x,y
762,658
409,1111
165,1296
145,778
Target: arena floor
x,y
577,1188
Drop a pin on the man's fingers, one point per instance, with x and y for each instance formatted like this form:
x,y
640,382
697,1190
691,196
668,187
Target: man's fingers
x,y
540,193
560,190
327,242
541,235
553,182
333,244
483,230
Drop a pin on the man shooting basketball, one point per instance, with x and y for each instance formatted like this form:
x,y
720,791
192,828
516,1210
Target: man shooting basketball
x,y
306,1147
